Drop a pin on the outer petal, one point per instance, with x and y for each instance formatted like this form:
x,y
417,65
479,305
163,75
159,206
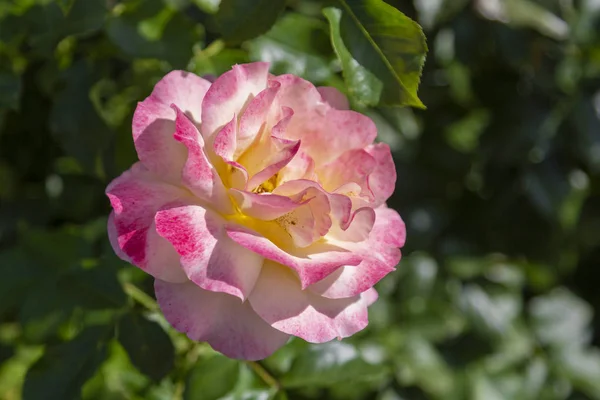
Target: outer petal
x,y
370,296
389,229
334,97
382,181
135,196
198,174
210,259
358,228
352,280
342,131
227,324
312,263
352,166
230,93
380,255
153,124
280,301
315,122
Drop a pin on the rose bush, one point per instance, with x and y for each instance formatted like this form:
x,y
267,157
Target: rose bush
x,y
258,205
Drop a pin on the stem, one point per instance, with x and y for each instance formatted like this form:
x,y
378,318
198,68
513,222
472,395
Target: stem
x,y
214,48
138,295
264,374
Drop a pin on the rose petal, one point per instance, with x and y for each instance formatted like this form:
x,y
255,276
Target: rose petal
x,y
389,228
198,174
380,255
340,206
354,166
301,166
270,154
351,280
224,146
334,97
209,258
265,207
255,116
311,263
153,124
382,181
279,300
370,296
315,122
135,197
227,324
230,93
386,237
359,226
310,222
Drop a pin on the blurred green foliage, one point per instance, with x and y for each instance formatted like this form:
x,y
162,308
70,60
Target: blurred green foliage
x,y
499,183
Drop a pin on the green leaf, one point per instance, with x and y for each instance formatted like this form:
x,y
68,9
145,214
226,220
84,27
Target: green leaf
x,y
299,54
463,135
212,378
419,363
148,345
483,388
43,311
209,6
387,43
561,319
65,5
74,121
330,363
490,314
6,352
117,375
49,24
216,64
10,91
173,45
239,20
582,367
58,249
362,85
64,368
19,273
93,289
256,394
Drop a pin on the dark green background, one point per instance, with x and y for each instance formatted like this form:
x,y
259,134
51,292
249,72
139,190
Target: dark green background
x,y
498,182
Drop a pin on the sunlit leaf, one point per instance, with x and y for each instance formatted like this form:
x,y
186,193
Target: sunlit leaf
x,y
362,85
387,43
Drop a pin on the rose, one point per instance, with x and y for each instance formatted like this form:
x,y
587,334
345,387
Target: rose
x,y
258,205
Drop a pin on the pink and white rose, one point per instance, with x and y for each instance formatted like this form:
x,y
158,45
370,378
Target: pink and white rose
x,y
258,205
